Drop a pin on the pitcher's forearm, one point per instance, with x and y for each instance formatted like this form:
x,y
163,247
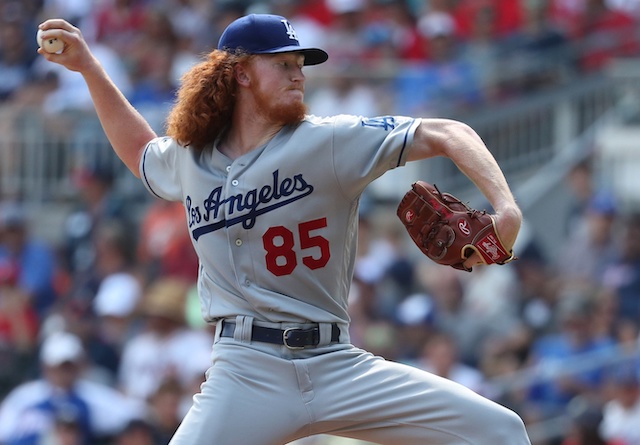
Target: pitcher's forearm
x,y
460,143
127,131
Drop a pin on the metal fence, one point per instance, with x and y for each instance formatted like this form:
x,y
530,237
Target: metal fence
x,y
38,152
526,135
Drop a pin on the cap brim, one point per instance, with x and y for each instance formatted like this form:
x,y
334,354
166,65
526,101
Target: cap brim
x,y
312,56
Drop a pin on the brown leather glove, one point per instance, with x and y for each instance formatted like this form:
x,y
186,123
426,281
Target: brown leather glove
x,y
447,230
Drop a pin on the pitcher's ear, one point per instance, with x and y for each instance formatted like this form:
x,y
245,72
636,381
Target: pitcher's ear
x,y
242,75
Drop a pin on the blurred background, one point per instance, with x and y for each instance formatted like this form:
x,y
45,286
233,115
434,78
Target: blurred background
x,y
97,277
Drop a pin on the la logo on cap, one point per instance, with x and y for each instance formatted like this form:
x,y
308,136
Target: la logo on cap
x,y
290,31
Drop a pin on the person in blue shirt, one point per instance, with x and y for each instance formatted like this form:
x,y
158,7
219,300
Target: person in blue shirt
x,y
444,84
32,410
567,359
33,258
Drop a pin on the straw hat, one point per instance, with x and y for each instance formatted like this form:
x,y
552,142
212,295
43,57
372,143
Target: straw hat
x,y
166,298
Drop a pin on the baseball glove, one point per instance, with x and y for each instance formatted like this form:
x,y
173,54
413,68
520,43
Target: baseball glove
x,y
447,230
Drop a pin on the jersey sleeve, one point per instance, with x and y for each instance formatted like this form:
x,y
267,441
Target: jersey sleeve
x,y
365,148
159,168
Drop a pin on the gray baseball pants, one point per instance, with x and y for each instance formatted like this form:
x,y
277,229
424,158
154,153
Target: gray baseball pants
x,y
263,394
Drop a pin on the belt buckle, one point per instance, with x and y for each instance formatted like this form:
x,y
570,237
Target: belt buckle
x,y
285,338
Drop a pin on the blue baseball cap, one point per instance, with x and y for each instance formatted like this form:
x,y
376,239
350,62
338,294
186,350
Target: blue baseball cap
x,y
603,203
267,34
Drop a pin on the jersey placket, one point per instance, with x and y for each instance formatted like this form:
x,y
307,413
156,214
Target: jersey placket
x,y
240,255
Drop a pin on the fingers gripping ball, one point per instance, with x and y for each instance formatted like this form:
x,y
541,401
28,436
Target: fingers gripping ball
x,y
53,46
447,230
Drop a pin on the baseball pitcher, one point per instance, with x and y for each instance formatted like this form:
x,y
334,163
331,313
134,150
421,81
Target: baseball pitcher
x,y
271,201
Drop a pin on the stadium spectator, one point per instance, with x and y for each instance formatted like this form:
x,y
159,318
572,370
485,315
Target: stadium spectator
x,y
585,418
579,182
99,202
621,414
164,247
440,357
67,430
585,254
33,258
75,11
31,410
119,23
303,20
16,59
136,432
19,326
415,324
384,273
392,34
446,288
631,7
164,410
485,52
154,91
601,34
223,14
318,10
538,53
347,91
345,38
444,85
157,33
164,345
118,294
189,19
496,311
537,286
574,341
622,276
507,15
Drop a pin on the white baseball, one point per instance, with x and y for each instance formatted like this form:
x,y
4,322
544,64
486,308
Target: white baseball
x,y
50,45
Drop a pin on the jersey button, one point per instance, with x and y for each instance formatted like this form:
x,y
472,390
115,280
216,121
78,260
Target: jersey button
x,y
238,242
247,282
235,182
228,168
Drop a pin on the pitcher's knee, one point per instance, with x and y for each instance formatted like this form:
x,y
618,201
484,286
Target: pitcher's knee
x,y
492,424
507,428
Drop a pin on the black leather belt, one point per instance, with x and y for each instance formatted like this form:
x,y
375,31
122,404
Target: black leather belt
x,y
292,338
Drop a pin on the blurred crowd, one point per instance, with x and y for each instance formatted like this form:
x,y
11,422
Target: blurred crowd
x,y
101,336
421,57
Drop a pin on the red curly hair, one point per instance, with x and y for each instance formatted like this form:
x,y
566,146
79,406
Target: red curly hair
x,y
205,100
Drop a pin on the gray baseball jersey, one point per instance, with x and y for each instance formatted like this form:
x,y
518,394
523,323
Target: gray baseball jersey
x,y
275,229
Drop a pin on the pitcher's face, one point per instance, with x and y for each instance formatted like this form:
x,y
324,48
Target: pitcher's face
x,y
277,85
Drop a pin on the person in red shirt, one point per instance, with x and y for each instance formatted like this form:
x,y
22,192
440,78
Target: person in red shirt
x,y
165,246
598,32
119,23
18,320
507,16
